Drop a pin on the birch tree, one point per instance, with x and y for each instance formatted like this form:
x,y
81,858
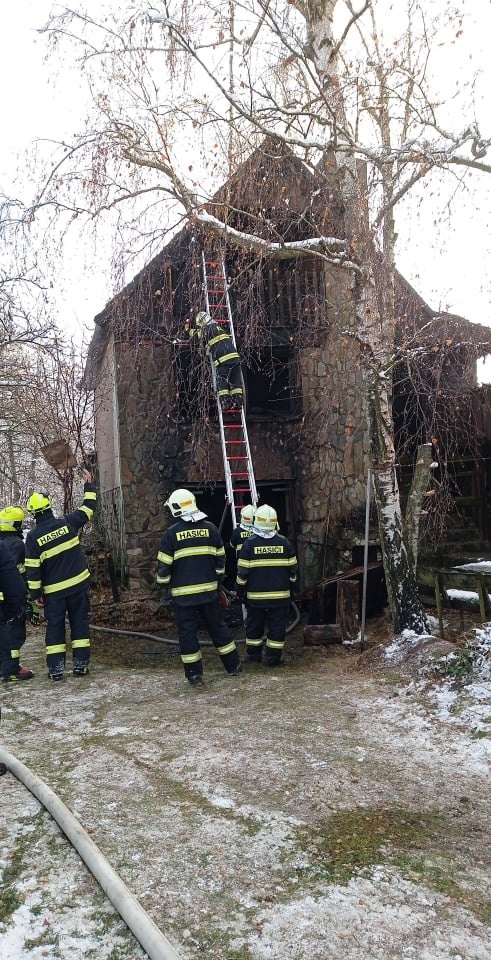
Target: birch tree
x,y
181,93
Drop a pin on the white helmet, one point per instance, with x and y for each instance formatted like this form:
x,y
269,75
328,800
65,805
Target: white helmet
x,y
265,519
201,318
181,503
247,517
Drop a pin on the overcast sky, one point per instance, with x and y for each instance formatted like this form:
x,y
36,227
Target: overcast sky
x,y
449,266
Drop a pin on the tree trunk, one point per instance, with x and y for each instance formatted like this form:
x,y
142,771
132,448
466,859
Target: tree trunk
x,y
402,588
373,321
415,501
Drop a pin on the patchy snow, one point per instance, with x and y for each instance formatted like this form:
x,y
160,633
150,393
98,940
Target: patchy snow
x,y
477,566
212,805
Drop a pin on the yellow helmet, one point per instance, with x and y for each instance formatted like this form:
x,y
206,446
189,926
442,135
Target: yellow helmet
x,y
201,318
11,518
181,503
265,519
247,517
38,503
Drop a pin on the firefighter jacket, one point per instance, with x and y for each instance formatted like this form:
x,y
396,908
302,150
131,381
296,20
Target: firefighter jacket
x,y
237,539
15,545
218,343
192,560
55,561
12,587
267,570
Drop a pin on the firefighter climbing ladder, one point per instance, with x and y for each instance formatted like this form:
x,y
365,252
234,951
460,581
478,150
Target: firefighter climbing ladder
x,y
239,472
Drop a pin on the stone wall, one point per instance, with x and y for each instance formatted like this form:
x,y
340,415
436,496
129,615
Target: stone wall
x,y
322,451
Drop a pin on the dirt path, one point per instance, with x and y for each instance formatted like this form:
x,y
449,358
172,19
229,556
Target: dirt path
x,y
315,812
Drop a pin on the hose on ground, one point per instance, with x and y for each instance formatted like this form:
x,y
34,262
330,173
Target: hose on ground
x,y
203,643
141,925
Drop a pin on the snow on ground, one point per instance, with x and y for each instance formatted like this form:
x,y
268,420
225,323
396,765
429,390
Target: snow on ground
x,y
200,801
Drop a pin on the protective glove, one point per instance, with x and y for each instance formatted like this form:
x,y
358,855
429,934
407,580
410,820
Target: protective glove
x,y
165,595
33,613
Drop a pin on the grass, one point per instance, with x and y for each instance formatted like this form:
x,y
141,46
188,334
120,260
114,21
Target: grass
x,y
354,841
10,898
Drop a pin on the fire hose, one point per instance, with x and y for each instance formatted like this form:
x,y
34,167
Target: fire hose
x,y
141,925
175,642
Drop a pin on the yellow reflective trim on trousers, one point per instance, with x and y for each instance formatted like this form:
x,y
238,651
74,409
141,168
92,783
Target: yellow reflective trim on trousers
x,y
254,643
275,644
228,648
66,584
191,657
192,588
276,595
61,548
57,648
77,644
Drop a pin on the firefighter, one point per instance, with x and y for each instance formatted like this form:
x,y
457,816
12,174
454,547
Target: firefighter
x,y
237,537
14,634
58,578
266,573
12,594
220,346
190,567
244,529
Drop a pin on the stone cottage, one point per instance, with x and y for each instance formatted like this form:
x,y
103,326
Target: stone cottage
x,y
156,415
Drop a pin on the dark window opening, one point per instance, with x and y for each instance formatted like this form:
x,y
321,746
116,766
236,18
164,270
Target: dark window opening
x,y
271,384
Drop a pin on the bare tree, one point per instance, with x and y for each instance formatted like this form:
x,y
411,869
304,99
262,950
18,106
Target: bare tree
x,y
170,86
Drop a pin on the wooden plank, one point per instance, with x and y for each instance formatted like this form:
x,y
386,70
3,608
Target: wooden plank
x,y
439,606
348,608
321,633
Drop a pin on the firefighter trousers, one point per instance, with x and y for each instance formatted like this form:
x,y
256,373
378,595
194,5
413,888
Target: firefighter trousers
x,y
76,607
229,384
277,619
191,619
12,639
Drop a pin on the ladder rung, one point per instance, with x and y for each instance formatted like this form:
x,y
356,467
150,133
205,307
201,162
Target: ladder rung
x,y
239,473
243,457
242,490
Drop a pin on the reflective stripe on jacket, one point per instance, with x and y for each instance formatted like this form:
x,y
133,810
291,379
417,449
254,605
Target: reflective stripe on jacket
x,y
55,561
217,342
237,538
268,570
192,560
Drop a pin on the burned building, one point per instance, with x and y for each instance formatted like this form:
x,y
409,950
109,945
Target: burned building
x,y
156,412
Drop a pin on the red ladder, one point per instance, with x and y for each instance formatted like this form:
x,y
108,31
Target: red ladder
x,y
237,460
